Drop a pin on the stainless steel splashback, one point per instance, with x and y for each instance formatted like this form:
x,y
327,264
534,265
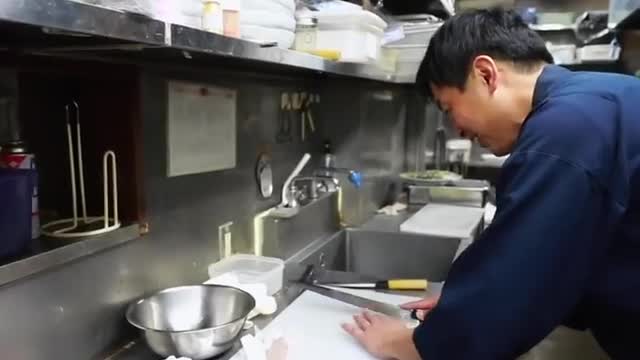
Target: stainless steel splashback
x,y
83,303
283,237
366,123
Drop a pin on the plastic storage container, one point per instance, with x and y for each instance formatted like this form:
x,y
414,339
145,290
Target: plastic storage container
x,y
407,59
306,33
231,17
562,53
356,35
602,52
251,269
212,17
418,32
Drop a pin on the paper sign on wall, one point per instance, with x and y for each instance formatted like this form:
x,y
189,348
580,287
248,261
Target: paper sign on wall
x,y
201,128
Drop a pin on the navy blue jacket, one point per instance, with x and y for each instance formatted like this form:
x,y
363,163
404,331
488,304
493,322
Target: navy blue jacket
x,y
564,247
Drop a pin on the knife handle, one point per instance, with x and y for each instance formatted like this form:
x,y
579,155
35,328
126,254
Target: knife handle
x,y
404,284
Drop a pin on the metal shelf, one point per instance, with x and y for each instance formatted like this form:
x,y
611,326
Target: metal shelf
x,y
70,18
65,15
189,39
57,252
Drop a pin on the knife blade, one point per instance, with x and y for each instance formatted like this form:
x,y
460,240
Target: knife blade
x,y
358,301
352,280
394,284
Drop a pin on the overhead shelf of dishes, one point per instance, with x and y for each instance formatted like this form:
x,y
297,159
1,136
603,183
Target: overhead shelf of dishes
x,y
65,26
578,39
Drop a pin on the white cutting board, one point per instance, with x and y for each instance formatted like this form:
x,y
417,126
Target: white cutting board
x,y
444,220
311,327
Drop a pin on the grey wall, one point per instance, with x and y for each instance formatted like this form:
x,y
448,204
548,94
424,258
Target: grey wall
x,y
76,311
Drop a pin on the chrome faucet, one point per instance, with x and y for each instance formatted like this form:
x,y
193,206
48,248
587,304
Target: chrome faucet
x,y
324,180
329,169
355,177
289,189
315,186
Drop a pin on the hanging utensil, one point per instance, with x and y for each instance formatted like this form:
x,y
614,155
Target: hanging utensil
x,y
284,127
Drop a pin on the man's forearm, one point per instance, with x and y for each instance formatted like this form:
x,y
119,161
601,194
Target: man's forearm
x,y
403,347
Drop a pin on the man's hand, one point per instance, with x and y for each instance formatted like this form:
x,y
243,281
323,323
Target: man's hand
x,y
383,337
423,306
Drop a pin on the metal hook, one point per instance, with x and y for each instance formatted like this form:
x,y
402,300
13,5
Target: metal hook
x,y
110,155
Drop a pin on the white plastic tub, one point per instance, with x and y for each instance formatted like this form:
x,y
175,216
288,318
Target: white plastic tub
x,y
251,269
357,35
562,54
602,52
407,59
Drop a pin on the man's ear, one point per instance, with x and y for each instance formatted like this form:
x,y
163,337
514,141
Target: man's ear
x,y
485,69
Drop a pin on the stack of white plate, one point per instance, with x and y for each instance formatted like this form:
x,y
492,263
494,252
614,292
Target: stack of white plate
x,y
269,21
184,12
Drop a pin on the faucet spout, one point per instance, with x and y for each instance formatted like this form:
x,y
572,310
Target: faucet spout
x,y
286,201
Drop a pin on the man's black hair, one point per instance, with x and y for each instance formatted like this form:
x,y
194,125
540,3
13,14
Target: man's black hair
x,y
496,32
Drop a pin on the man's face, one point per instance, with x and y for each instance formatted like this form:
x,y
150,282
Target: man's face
x,y
479,112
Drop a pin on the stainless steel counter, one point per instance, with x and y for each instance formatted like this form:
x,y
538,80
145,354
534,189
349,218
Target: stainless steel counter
x,y
72,17
138,350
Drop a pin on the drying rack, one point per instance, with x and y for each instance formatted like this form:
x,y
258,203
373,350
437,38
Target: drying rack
x,y
86,225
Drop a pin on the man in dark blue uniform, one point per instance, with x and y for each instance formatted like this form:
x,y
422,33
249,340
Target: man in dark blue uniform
x,y
564,247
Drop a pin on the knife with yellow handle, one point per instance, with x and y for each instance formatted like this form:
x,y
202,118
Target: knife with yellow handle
x,y
393,284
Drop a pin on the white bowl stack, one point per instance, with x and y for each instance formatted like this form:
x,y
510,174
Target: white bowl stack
x,y
184,12
269,21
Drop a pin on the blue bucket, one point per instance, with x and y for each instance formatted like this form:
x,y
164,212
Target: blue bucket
x,y
16,189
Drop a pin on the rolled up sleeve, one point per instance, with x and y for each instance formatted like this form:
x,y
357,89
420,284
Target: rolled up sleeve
x,y
528,271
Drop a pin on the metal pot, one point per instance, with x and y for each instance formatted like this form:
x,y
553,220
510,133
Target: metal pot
x,y
198,321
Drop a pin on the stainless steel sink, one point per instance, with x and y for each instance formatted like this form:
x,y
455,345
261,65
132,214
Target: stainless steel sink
x,y
383,254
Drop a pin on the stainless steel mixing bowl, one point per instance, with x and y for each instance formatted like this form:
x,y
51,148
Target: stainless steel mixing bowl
x,y
198,321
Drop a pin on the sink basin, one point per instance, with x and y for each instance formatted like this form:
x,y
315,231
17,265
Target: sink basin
x,y
383,255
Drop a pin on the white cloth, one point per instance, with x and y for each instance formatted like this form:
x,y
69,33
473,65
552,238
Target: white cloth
x,y
261,347
392,209
265,304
